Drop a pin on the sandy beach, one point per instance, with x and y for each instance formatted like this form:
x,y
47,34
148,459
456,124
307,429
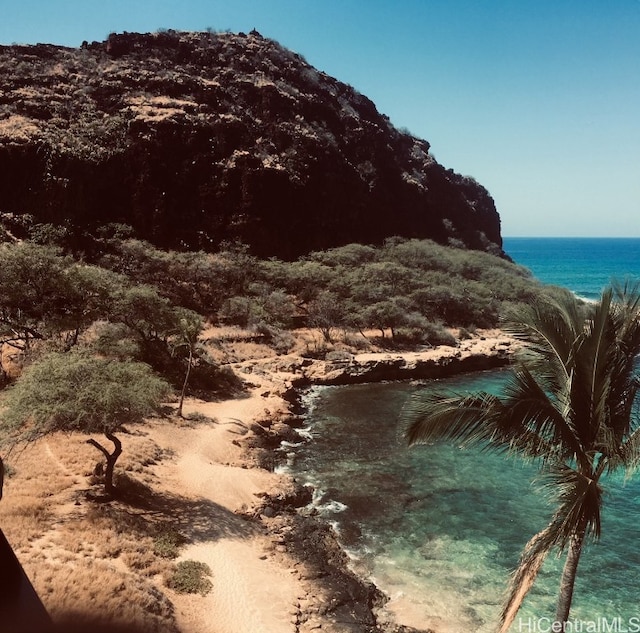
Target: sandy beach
x,y
275,568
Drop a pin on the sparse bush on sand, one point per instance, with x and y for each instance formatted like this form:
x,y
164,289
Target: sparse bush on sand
x,y
190,576
167,543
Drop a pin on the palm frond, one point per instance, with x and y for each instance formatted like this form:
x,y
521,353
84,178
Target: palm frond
x,y
529,407
524,421
628,455
593,360
469,419
605,364
624,383
551,332
627,294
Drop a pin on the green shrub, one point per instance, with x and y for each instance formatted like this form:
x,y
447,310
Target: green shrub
x,y
283,342
280,340
196,417
190,576
348,255
236,311
436,334
356,340
167,543
115,340
409,335
327,312
278,308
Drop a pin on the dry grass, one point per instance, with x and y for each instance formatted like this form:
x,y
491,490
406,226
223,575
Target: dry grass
x,y
241,351
84,593
229,344
228,333
92,564
24,519
140,452
311,341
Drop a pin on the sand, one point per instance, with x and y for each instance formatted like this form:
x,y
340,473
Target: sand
x,y
255,591
251,591
266,577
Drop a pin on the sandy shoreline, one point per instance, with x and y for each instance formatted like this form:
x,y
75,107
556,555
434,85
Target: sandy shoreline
x,y
276,567
283,570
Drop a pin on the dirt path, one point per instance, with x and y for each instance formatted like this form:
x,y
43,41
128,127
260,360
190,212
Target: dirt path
x,y
253,591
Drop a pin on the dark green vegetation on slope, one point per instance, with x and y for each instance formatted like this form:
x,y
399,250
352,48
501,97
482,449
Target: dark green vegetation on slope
x,y
134,300
197,138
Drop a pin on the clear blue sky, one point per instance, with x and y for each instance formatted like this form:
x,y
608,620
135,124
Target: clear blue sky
x,y
539,101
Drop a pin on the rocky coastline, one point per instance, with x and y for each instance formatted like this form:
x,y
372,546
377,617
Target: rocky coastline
x,y
213,476
346,603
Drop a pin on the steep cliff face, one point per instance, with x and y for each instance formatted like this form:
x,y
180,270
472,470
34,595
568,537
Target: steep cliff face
x,y
196,138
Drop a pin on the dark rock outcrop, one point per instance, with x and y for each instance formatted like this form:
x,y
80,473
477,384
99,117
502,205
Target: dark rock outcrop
x,y
348,603
196,138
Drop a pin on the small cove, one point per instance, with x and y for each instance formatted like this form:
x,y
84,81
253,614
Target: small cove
x,y
439,528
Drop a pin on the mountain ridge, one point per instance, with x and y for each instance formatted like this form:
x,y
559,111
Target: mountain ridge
x,y
194,139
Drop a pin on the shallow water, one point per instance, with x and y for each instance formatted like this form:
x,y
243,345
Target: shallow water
x,y
440,528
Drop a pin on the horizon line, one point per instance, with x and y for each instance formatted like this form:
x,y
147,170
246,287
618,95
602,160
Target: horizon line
x,y
573,237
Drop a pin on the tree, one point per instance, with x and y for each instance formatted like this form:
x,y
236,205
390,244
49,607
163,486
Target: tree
x,y
34,291
44,294
570,406
186,337
150,316
327,312
74,391
383,315
89,298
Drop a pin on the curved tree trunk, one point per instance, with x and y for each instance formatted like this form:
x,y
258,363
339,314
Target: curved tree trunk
x,y
111,459
186,380
569,576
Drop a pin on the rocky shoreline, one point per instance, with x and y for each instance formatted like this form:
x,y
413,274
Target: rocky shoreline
x,y
345,602
277,566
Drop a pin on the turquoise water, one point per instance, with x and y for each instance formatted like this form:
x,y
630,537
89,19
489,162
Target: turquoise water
x,y
584,265
440,528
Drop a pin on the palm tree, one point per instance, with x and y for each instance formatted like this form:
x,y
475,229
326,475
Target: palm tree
x,y
570,407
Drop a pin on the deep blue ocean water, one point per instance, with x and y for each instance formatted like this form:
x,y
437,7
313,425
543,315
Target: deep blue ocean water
x,y
439,528
584,265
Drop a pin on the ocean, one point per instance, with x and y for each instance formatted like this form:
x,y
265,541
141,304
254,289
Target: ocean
x,y
438,528
584,265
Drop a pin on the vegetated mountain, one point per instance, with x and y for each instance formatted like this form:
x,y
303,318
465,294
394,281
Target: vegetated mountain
x,y
197,138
